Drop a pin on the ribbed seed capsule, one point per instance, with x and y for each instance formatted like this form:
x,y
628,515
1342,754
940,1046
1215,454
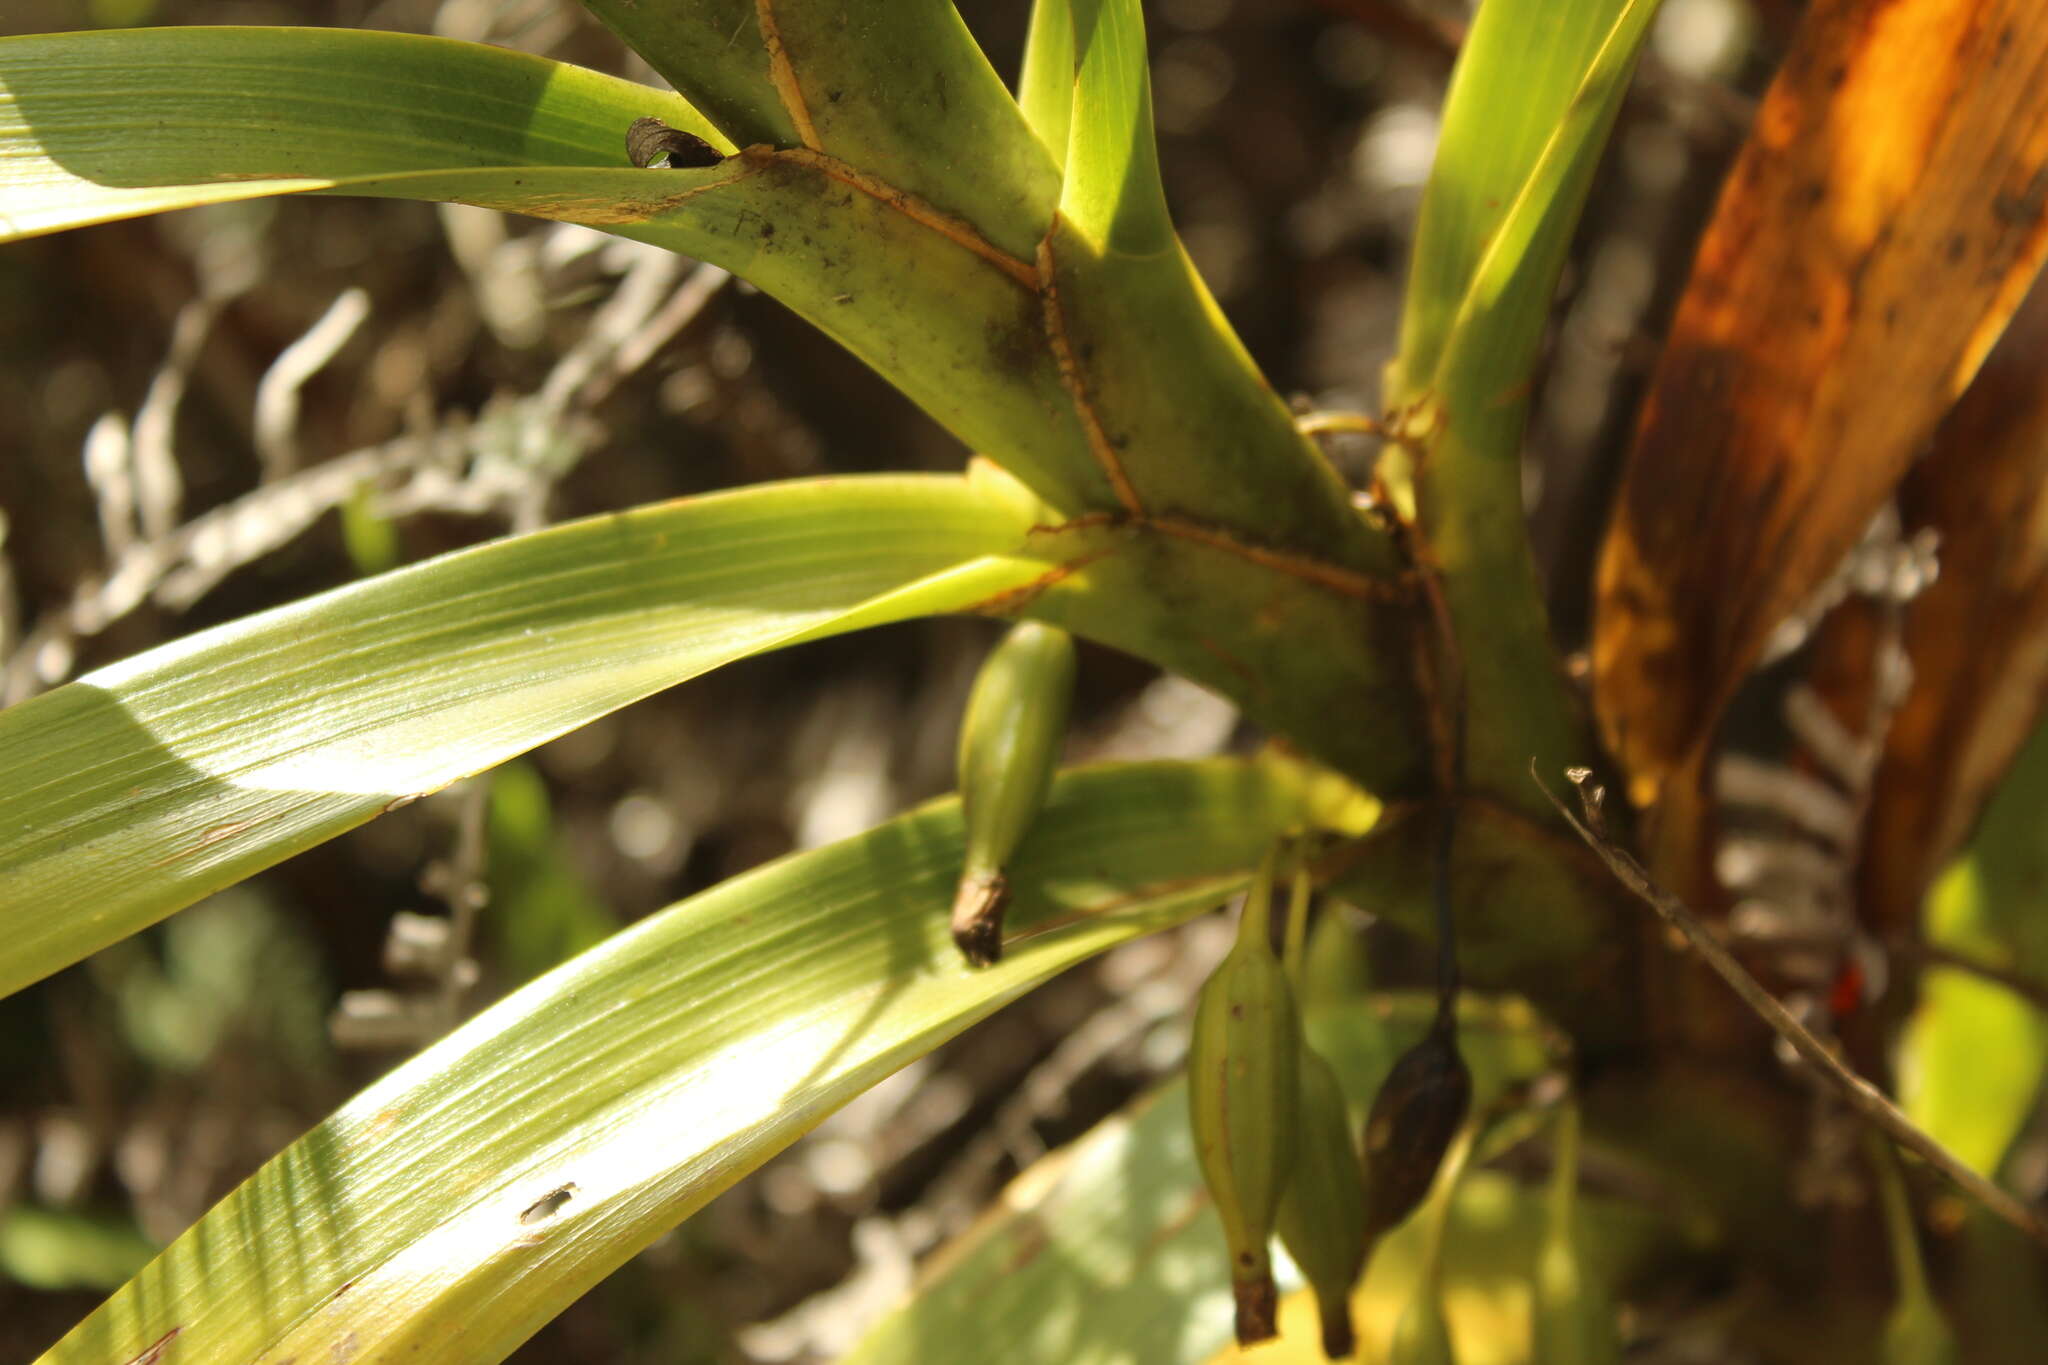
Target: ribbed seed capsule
x,y
1242,1087
1009,745
1322,1211
1413,1119
1574,1322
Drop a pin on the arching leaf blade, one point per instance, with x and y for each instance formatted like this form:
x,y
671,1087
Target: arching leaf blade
x,y
138,789
447,1211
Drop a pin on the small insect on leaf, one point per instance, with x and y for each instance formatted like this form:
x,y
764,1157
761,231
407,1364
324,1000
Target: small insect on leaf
x,y
649,140
548,1205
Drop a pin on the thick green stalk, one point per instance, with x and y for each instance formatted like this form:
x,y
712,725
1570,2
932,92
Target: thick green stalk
x,y
1530,107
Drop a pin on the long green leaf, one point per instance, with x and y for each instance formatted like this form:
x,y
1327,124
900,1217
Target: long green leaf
x,y
1112,195
1045,86
452,1208
1133,344
1974,1054
1520,81
141,787
105,125
95,126
1535,94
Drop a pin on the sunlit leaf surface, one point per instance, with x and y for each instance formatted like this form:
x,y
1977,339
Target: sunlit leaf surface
x,y
143,786
456,1205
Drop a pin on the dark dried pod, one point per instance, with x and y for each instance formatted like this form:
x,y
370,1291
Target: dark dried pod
x,y
649,140
1414,1118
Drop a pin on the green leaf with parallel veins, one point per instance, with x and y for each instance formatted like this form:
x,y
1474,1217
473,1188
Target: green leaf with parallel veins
x,y
137,789
1045,87
1534,96
449,1210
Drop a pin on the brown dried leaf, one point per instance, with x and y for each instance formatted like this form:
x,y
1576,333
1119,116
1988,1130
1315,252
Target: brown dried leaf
x,y
1978,639
1884,219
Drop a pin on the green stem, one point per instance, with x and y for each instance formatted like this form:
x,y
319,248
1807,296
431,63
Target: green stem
x,y
1295,951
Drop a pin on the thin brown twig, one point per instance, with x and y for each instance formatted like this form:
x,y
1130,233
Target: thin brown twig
x,y
1860,1094
1448,716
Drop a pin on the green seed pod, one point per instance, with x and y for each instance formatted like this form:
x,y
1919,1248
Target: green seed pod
x,y
1574,1322
1422,1335
1242,1086
1915,1332
1009,746
1322,1212
1413,1119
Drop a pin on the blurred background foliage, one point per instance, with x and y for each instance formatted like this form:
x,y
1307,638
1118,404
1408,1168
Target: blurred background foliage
x,y
459,374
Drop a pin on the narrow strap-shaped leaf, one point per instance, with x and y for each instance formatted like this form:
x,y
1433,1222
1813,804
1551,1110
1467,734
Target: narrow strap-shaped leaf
x,y
1113,195
1535,94
1515,99
105,125
110,124
139,788
1045,87
452,1208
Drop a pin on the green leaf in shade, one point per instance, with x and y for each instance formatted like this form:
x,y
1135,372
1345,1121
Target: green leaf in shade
x,y
1108,1251
53,1249
542,912
1531,103
1045,87
1212,615
449,1210
143,786
369,536
1973,1056
965,330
